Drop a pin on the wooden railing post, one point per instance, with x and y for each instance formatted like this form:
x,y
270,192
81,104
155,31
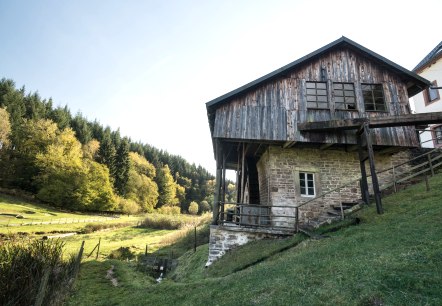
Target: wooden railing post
x,y
297,219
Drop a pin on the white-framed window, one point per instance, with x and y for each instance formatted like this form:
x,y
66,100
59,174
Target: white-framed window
x,y
307,184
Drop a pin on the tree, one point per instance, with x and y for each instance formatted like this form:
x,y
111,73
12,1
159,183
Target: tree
x,y
68,180
166,186
82,129
5,128
140,186
122,165
90,149
193,208
106,153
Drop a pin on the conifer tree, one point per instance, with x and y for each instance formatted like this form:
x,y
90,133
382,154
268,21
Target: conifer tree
x,y
122,164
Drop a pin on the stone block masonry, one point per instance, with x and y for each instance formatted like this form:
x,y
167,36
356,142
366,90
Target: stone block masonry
x,y
279,173
225,238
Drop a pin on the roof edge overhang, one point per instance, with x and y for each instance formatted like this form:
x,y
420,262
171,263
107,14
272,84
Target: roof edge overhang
x,y
415,82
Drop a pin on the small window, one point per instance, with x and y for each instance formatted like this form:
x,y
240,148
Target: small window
x,y
373,96
431,95
437,135
317,95
345,97
307,184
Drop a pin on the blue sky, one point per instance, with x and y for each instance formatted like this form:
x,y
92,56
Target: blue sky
x,y
148,67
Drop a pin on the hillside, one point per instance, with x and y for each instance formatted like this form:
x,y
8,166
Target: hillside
x,y
389,259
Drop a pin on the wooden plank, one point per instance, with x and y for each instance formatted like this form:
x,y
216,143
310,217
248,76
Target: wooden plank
x,y
375,122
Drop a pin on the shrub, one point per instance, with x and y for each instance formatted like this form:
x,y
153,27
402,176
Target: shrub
x,y
193,208
23,265
122,253
204,207
169,210
128,206
94,227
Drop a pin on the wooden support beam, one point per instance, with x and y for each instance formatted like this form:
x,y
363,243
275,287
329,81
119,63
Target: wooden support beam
x,y
375,122
364,183
374,176
216,197
326,146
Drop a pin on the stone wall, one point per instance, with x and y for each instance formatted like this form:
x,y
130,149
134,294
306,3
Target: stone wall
x,y
225,238
279,169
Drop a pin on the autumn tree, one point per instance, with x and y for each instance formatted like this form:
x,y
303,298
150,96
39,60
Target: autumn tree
x,y
68,180
141,187
166,186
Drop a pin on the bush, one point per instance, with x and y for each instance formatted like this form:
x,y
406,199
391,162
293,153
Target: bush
x,y
122,253
169,210
173,222
23,265
204,207
95,227
193,208
128,206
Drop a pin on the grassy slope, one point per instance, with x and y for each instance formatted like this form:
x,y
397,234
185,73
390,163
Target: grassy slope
x,y
393,259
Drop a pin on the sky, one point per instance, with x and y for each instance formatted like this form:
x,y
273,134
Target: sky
x,y
148,67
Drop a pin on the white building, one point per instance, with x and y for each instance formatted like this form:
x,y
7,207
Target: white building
x,y
429,100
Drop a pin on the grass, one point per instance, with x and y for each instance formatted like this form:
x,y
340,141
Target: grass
x,y
389,259
53,220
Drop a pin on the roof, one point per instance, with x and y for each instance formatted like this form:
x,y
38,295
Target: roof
x,y
415,83
435,54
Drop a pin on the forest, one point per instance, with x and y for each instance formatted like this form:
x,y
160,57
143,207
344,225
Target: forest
x,y
73,163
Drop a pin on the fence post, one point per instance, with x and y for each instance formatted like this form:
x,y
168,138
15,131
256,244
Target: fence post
x,y
431,164
145,253
296,219
98,249
42,288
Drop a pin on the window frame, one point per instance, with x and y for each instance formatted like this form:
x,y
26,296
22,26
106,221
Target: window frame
x,y
304,176
345,103
427,95
316,95
434,131
374,97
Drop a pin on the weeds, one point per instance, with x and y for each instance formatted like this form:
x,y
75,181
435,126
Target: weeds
x,y
23,264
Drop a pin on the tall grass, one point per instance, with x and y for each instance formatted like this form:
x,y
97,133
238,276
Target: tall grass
x,y
23,264
173,222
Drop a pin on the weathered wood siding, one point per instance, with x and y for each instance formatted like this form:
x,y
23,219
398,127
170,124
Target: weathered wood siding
x,y
273,110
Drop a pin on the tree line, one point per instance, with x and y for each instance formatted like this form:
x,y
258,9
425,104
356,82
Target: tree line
x,y
71,162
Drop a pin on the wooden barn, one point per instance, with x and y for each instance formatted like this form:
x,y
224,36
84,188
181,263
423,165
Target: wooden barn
x,y
297,133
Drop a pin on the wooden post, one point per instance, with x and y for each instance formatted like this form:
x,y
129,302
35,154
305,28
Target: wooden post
x,y
98,249
297,219
364,184
243,171
216,197
42,289
374,177
145,252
